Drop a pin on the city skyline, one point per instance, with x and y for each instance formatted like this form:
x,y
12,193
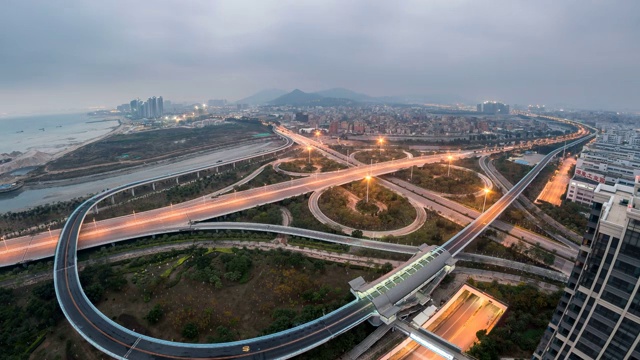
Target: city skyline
x,y
93,55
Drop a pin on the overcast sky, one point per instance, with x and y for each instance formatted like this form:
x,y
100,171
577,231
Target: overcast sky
x,y
76,54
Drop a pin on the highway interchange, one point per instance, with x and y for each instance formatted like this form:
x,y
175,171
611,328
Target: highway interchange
x,y
123,343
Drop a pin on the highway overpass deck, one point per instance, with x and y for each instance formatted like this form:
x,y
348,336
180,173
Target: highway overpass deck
x,y
120,342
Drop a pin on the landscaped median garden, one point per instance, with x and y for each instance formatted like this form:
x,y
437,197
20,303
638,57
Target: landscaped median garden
x,y
377,209
303,163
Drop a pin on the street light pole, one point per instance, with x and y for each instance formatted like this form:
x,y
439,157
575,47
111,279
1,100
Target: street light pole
x,y
309,148
411,178
449,168
368,178
486,191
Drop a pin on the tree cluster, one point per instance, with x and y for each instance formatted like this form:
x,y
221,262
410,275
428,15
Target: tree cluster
x,y
522,326
399,212
434,177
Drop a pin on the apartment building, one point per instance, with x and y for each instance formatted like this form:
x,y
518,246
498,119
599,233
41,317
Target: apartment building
x,y
603,163
598,316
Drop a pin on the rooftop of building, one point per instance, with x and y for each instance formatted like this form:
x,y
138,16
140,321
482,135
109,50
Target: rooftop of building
x,y
584,180
624,201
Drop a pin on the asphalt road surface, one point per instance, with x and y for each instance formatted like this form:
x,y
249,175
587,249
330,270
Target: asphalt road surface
x,y
554,189
459,328
42,245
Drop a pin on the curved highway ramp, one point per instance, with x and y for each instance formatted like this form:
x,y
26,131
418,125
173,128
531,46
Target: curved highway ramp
x,y
377,299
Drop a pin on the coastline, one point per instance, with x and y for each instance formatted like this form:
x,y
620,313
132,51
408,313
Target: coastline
x,y
40,158
120,128
132,169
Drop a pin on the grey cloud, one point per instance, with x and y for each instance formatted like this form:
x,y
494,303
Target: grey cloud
x,y
83,53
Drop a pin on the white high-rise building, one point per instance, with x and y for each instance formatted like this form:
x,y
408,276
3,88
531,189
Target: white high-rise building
x,y
598,316
159,107
603,162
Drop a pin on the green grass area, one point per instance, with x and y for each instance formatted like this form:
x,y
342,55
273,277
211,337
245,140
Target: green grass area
x,y
265,214
514,172
302,216
569,214
519,331
155,144
268,176
398,213
26,315
343,149
485,246
318,164
180,261
477,202
317,244
380,155
435,231
469,163
437,177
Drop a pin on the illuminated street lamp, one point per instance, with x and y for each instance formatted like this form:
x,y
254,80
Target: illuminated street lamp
x,y
380,141
486,191
309,148
449,168
367,178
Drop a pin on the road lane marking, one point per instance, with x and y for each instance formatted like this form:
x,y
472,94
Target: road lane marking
x,y
131,348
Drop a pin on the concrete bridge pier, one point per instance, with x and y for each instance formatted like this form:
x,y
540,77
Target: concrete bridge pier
x,y
217,170
177,181
113,200
198,174
133,192
153,185
234,165
375,320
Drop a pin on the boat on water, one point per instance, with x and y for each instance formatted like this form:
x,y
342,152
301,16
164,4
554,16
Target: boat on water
x,y
21,131
5,188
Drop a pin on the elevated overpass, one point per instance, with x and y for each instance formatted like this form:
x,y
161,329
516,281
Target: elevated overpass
x,y
377,299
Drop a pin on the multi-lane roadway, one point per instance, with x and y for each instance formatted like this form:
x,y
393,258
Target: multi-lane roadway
x,y
140,224
119,342
464,237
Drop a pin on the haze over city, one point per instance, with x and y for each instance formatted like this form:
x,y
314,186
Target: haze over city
x,y
319,180
79,54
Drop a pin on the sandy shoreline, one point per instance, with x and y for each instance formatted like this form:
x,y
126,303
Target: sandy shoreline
x,y
39,158
125,171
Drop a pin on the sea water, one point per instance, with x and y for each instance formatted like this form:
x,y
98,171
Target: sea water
x,y
50,133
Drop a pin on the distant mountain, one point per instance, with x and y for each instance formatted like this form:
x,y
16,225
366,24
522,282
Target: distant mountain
x,y
343,93
262,97
406,99
296,97
342,96
300,98
425,99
